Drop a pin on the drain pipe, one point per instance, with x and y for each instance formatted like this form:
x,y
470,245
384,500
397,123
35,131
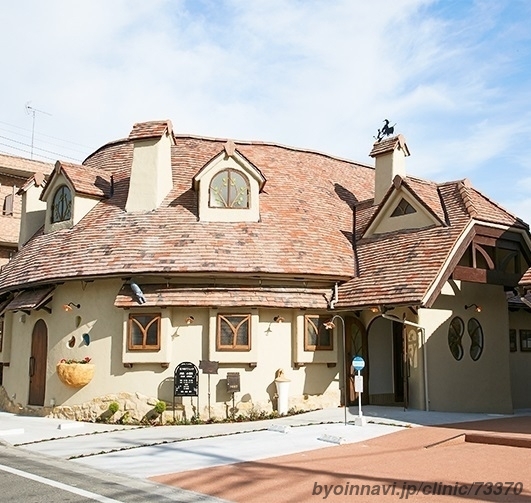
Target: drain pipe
x,y
424,353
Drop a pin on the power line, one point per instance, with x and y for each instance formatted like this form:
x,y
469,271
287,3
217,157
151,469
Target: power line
x,y
47,136
36,148
45,142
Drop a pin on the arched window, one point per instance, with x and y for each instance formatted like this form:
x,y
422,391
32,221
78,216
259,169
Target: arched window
x,y
229,189
62,205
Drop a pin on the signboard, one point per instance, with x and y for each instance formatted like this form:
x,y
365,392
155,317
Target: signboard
x,y
358,384
233,382
208,367
358,363
186,380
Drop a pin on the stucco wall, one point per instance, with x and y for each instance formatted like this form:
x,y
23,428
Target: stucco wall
x,y
467,385
313,385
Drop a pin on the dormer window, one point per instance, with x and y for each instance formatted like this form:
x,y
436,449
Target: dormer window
x,y
403,208
229,189
62,205
229,181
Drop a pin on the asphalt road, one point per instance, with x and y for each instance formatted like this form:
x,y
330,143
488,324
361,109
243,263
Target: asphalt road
x,y
29,478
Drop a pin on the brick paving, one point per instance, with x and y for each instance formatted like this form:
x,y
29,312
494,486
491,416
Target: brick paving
x,y
411,464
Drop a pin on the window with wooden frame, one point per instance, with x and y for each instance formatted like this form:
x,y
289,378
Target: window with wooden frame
x,y
144,332
525,340
316,336
62,204
233,332
229,189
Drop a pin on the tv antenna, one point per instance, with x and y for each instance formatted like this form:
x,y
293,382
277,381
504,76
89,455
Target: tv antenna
x,y
33,111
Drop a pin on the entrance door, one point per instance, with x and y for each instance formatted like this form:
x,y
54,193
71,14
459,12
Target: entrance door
x,y
356,345
387,363
37,364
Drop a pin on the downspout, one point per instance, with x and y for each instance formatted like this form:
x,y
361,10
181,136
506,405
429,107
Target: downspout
x,y
424,353
333,300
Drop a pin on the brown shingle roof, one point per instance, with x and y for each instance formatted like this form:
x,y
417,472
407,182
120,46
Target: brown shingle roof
x,y
305,228
153,129
163,296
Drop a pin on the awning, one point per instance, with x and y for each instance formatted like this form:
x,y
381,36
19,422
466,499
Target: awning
x,y
197,296
31,299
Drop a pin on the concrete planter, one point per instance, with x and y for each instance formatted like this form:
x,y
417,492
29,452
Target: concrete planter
x,y
75,375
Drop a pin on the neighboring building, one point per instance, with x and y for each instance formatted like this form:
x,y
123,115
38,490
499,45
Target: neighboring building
x,y
14,172
162,249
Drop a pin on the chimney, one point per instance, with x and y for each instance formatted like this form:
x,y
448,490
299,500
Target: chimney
x,y
33,212
390,160
151,172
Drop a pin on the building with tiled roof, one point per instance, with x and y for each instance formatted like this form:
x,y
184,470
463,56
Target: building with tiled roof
x,y
193,270
14,172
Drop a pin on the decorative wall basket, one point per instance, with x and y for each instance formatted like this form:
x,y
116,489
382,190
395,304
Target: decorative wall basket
x,y
75,375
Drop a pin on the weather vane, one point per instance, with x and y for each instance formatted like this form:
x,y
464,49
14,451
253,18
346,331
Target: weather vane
x,y
385,131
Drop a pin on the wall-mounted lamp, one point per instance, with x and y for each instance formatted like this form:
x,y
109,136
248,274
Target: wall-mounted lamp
x,y
189,320
329,325
70,306
278,319
478,308
375,309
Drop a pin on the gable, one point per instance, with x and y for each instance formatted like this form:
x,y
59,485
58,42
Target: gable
x,y
229,171
401,210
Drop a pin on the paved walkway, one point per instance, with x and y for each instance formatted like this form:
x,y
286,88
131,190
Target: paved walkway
x,y
310,456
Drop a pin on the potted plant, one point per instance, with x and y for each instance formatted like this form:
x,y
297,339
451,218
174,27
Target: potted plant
x,y
75,373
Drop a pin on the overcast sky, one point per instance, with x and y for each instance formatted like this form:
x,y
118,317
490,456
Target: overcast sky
x,y
454,75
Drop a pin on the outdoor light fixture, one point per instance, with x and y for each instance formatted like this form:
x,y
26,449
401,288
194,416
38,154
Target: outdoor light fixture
x,y
375,310
278,319
478,308
70,306
190,320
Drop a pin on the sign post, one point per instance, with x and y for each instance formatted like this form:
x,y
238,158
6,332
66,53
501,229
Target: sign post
x,y
359,364
185,382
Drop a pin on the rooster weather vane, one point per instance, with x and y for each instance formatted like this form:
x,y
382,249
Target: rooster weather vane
x,y
385,131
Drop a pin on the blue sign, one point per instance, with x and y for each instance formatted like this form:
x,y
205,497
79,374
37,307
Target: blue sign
x,y
358,363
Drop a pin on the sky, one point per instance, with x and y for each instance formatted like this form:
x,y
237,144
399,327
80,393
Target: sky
x,y
453,75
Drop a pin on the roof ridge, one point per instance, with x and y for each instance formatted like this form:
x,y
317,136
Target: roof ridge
x,y
463,187
499,206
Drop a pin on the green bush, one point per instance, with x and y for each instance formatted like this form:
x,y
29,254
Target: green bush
x,y
114,407
160,407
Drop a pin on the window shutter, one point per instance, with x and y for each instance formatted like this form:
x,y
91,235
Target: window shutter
x,y
8,205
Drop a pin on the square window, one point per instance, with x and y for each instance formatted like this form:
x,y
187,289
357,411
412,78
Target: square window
x,y
144,332
316,336
525,340
233,332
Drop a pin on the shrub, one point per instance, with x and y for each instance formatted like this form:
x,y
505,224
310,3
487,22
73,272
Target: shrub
x,y
114,407
160,407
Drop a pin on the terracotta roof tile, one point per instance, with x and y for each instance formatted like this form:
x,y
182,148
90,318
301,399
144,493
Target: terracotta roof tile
x,y
193,296
30,299
23,165
152,129
305,228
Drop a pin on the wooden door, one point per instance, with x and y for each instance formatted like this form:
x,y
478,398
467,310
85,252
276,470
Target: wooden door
x,y
37,364
356,345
